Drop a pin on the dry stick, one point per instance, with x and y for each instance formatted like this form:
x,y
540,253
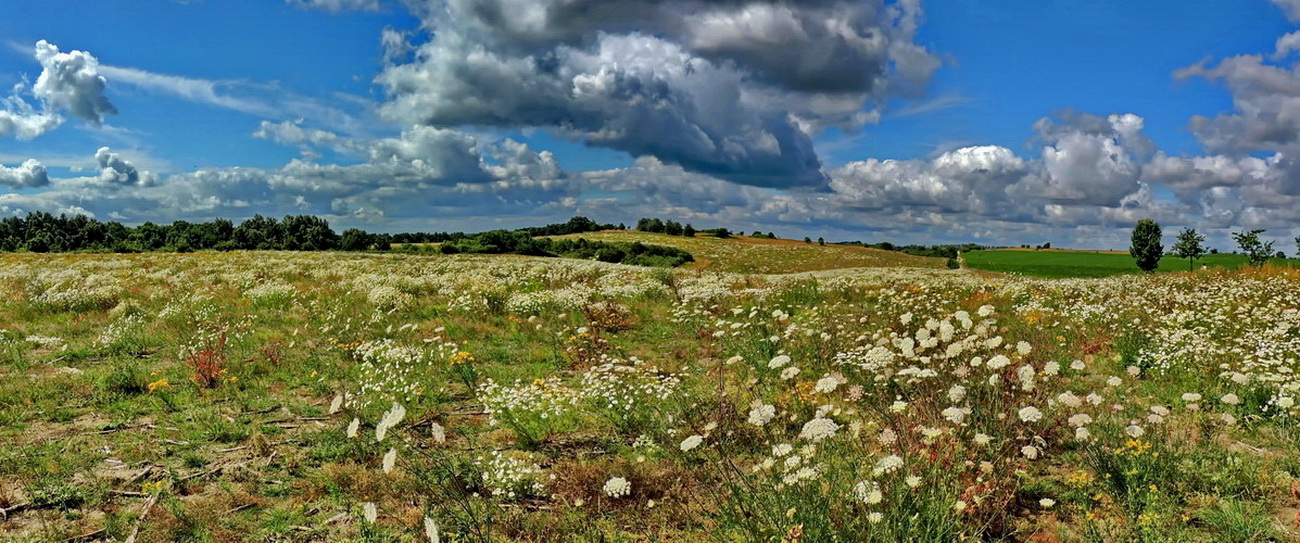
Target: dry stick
x,y
4,511
148,506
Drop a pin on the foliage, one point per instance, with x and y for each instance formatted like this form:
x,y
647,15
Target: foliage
x,y
1146,248
1256,251
1189,246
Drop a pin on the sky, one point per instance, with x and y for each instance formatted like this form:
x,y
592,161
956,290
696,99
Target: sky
x,y
1000,122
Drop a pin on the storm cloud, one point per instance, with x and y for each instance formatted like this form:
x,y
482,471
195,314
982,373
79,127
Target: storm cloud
x,y
735,89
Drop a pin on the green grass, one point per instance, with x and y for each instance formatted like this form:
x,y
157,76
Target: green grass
x,y
1065,263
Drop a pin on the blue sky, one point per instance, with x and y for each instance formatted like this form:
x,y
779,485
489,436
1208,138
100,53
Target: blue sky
x,y
1001,122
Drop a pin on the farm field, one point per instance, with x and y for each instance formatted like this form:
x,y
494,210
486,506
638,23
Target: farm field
x,y
768,256
275,396
1068,263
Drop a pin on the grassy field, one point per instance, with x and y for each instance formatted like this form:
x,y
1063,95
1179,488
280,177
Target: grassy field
x,y
264,396
744,254
1067,263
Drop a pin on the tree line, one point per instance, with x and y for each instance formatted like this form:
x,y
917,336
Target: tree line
x,y
40,232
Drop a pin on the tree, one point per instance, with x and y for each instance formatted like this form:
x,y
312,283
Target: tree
x,y
1297,245
688,231
1146,247
1189,246
807,239
821,241
1257,252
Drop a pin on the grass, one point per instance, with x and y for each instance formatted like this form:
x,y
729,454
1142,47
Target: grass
x,y
800,406
743,254
1067,263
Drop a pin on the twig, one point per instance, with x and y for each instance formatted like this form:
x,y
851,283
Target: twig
x,y
148,506
4,511
88,536
240,508
233,449
128,493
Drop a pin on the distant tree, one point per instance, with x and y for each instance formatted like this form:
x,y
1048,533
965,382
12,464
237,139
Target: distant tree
x,y
355,239
1047,245
1146,247
688,231
673,228
771,235
807,239
1214,251
1189,246
821,241
1257,252
1297,245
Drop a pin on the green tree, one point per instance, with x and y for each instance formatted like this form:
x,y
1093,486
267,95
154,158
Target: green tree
x,y
1257,252
1189,246
1146,247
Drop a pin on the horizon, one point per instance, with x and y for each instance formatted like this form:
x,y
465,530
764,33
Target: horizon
x,y
900,121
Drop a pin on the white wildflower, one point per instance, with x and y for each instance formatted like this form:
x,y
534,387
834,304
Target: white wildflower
x,y
692,442
1030,414
369,512
391,418
617,487
390,460
761,414
826,385
779,361
1030,452
789,373
818,429
888,464
1230,399
1134,431
353,427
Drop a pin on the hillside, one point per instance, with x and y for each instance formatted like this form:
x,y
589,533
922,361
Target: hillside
x,y
744,254
1067,263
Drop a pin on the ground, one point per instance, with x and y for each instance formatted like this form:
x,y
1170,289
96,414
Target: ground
x,y
785,391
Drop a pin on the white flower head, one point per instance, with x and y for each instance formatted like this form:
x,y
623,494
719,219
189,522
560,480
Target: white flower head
x,y
761,414
391,418
692,442
617,487
390,460
438,432
789,373
353,427
1230,399
889,464
818,429
1134,431
369,512
779,361
1030,414
431,531
1030,452
826,385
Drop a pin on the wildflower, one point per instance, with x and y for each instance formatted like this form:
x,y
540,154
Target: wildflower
x,y
1133,371
1078,365
888,464
998,362
1023,348
898,406
912,481
782,449
337,404
1160,410
617,487
1068,399
985,310
1228,419
955,415
887,436
761,414
438,432
779,361
369,512
391,418
789,373
159,384
353,427
390,460
868,492
1113,381
692,442
983,439
1286,402
1240,378
1230,399
1046,503
875,517
826,385
1082,433
1191,397
1134,431
818,429
1030,452
1081,419
1030,414
959,506
1052,368
1093,398
957,393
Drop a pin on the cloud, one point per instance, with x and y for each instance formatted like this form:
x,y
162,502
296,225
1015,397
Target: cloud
x,y
19,119
30,174
71,81
115,170
191,89
1291,8
337,6
292,133
734,89
1267,103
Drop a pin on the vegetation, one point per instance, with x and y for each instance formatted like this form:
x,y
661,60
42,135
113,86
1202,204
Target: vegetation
x,y
272,396
521,243
1189,246
1064,263
1257,252
936,251
1146,248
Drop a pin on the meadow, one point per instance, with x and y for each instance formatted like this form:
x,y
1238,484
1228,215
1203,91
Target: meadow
x,y
836,394
1070,263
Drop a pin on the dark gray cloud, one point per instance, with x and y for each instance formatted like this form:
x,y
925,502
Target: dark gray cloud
x,y
734,89
115,170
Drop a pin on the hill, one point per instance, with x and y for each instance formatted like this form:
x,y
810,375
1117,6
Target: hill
x,y
743,254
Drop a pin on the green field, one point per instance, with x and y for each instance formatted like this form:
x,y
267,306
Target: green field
x,y
1061,263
